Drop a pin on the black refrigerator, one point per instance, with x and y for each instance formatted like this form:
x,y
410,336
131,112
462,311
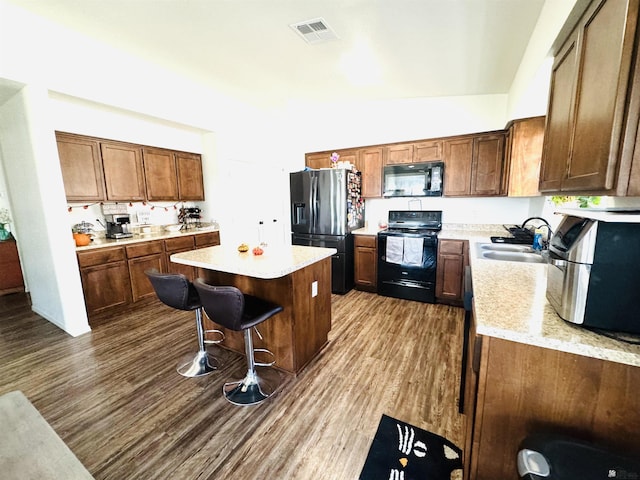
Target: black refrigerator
x,y
326,206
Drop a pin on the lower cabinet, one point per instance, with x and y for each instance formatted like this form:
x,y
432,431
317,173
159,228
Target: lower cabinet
x,y
11,280
105,279
113,277
522,389
452,258
365,258
142,257
178,245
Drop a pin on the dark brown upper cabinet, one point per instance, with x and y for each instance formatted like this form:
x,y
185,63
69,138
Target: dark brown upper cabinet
x,y
594,104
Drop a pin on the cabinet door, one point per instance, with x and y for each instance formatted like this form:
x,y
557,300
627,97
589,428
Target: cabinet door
x,y
350,156
458,157
525,153
606,50
429,151
11,274
450,270
317,160
366,259
190,180
123,171
160,174
371,161
557,137
398,154
472,355
140,285
186,270
81,168
105,286
177,245
488,160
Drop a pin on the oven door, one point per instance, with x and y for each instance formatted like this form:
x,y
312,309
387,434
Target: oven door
x,y
397,278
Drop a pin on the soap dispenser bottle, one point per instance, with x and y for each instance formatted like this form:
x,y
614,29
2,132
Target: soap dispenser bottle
x,y
537,240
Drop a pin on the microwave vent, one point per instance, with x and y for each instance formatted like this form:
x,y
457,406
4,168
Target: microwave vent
x,y
314,31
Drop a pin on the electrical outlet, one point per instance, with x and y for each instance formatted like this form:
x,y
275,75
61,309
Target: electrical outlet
x,y
314,289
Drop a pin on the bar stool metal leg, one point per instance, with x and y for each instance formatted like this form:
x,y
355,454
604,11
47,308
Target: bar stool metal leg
x,y
202,363
252,389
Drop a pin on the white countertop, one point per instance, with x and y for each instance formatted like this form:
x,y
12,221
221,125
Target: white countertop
x,y
275,262
102,242
510,303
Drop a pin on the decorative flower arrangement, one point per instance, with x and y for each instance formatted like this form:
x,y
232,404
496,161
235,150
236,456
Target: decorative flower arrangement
x,y
4,216
581,201
4,220
334,159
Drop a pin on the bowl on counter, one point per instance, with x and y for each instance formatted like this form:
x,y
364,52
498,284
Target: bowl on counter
x,y
173,228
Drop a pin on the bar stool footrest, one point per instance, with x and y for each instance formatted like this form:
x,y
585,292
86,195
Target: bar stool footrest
x,y
214,342
268,352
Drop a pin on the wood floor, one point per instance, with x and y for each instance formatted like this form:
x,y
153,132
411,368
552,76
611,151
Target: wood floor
x,y
114,397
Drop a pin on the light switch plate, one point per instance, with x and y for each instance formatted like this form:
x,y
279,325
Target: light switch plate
x,y
314,289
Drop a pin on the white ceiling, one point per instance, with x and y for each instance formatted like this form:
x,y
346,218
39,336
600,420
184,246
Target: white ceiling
x,y
400,48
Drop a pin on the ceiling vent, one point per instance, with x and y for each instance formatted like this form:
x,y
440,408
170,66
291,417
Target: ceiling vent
x,y
314,31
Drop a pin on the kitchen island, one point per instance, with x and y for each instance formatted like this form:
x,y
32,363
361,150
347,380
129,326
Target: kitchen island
x,y
296,277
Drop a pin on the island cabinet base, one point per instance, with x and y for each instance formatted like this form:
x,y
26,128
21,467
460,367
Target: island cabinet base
x,y
524,389
298,333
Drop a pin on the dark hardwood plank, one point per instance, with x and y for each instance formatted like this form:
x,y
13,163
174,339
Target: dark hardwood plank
x,y
114,397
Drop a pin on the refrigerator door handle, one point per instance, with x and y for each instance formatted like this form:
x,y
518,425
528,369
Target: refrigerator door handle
x,y
314,204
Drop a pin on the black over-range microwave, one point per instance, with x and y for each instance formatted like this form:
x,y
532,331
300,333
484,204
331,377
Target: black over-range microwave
x,y
413,180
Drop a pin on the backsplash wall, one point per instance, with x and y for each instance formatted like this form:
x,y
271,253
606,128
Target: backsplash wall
x,y
494,210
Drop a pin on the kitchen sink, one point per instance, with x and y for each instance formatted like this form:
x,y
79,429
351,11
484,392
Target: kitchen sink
x,y
502,247
508,253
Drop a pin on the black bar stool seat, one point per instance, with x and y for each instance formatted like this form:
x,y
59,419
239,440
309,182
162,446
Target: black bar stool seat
x,y
176,291
229,307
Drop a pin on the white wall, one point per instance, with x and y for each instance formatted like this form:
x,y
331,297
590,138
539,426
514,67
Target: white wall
x,y
34,182
341,125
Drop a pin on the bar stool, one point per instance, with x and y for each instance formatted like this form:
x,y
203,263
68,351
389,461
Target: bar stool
x,y
175,290
236,311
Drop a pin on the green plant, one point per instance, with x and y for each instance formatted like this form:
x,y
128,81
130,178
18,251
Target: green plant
x,y
583,201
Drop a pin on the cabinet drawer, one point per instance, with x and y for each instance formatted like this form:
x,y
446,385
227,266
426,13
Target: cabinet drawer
x,y
146,248
451,246
207,239
179,243
365,241
101,256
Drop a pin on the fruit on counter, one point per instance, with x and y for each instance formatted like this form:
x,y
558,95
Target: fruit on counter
x,y
243,247
258,251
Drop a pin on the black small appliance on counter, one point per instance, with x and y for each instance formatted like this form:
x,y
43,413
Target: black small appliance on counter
x,y
118,226
594,270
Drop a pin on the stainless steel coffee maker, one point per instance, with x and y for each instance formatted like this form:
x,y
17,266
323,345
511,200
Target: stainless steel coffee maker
x,y
118,225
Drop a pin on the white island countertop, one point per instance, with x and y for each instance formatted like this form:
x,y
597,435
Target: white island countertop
x,y
275,262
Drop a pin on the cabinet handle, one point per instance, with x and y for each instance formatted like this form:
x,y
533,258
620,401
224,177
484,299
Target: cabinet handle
x,y
477,347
